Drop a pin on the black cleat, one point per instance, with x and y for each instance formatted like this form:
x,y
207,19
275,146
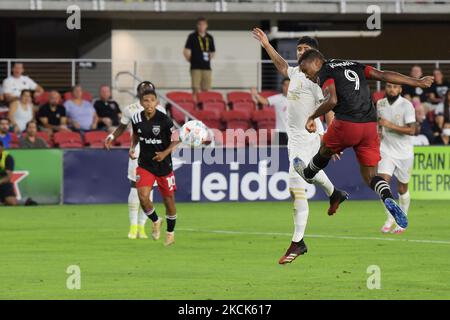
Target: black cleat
x,y
336,199
295,249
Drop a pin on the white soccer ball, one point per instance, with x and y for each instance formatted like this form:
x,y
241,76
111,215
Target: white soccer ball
x,y
193,133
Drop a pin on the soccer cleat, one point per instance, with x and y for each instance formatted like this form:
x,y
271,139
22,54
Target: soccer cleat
x,y
396,212
132,234
141,232
170,239
336,199
295,249
299,166
398,230
156,229
386,228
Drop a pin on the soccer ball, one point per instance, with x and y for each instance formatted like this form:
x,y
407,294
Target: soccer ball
x,y
193,133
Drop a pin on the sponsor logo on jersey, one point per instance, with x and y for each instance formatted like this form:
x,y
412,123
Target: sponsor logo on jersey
x,y
151,140
341,64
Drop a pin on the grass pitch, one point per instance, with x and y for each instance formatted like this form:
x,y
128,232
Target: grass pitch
x,y
224,251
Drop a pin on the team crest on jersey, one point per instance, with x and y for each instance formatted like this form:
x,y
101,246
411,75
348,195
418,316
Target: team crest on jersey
x,y
156,130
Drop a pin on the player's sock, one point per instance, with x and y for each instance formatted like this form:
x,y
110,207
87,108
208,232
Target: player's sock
x,y
152,215
380,186
322,180
300,219
404,200
133,206
171,221
317,163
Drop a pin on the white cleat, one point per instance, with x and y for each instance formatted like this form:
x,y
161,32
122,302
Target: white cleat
x,y
386,228
398,230
156,229
132,234
170,239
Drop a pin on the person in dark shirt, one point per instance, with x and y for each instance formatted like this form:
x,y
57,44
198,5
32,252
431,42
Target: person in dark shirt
x,y
347,93
153,130
436,93
108,110
415,93
30,140
52,115
7,194
5,135
198,51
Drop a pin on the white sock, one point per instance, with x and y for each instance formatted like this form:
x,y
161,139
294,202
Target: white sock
x,y
403,201
322,180
301,212
142,216
133,206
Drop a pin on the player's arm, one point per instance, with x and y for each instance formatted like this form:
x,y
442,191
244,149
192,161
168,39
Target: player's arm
x,y
408,129
114,135
281,64
328,104
260,99
134,142
398,78
329,117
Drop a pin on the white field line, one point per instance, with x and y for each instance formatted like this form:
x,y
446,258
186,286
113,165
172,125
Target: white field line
x,y
314,236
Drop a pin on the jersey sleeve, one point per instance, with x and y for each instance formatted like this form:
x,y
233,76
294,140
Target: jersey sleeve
x,y
325,77
31,83
410,113
290,72
319,126
126,117
317,93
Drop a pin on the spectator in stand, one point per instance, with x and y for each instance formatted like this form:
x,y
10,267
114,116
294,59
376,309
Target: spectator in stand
x,y
21,111
280,103
419,139
17,82
108,110
52,115
5,136
30,140
7,194
436,93
2,96
415,95
198,51
446,107
427,127
81,113
442,111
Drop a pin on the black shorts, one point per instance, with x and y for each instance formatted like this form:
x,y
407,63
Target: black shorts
x,y
6,190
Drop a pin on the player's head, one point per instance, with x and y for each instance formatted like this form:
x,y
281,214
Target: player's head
x,y
306,43
285,85
202,25
393,91
310,63
148,98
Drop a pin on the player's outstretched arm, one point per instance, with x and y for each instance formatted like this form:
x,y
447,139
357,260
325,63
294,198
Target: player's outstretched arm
x,y
281,64
398,78
113,136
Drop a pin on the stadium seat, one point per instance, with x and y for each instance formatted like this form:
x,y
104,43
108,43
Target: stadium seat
x,y
86,96
46,137
265,118
215,106
42,98
67,139
209,96
180,96
14,142
124,141
235,96
177,115
377,95
210,118
246,106
95,139
233,139
236,119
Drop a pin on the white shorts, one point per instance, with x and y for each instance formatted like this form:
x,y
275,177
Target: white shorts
x,y
305,152
400,168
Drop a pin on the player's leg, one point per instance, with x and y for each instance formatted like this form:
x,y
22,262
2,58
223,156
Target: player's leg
x,y
7,194
386,168
390,221
142,221
144,184
403,174
133,210
167,187
297,188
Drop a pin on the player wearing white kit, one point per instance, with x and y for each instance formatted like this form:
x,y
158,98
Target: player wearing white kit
x,y
397,121
304,96
136,214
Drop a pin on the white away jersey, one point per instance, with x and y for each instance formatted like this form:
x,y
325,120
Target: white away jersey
x,y
401,112
304,97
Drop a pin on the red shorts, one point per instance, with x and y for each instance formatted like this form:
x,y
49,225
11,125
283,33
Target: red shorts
x,y
166,184
363,137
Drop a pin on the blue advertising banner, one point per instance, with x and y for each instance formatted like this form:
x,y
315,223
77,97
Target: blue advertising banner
x,y
100,176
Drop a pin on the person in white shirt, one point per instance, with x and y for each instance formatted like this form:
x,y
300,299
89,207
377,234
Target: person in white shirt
x,y
397,122
17,82
280,103
303,96
21,111
137,216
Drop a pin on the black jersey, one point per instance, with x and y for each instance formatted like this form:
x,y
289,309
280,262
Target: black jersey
x,y
154,136
354,101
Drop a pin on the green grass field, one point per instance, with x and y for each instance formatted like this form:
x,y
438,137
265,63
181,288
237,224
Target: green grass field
x,y
224,251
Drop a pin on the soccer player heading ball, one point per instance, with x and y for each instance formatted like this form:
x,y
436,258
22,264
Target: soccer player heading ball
x,y
347,93
152,129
